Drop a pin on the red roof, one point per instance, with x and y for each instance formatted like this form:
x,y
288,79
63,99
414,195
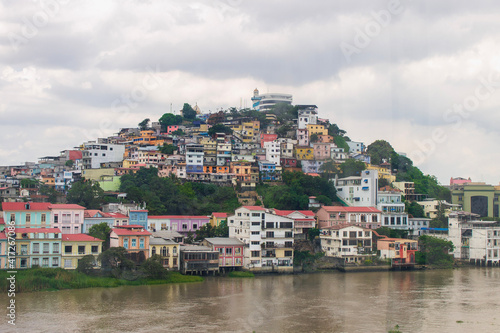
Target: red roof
x,y
126,232
345,225
38,230
254,207
2,221
351,209
118,215
80,238
219,214
92,212
288,212
313,174
66,206
178,217
21,206
75,155
130,226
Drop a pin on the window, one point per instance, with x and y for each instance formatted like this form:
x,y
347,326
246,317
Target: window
x,y
55,248
153,250
229,250
56,218
345,233
68,263
255,232
24,249
175,262
68,249
55,262
125,243
164,251
46,248
94,249
12,217
288,253
45,262
36,248
24,262
184,226
81,249
237,251
174,251
255,253
35,262
270,234
195,226
255,242
134,242
141,243
28,218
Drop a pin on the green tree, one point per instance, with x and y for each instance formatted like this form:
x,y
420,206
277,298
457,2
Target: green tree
x,y
379,150
334,131
435,251
69,163
188,112
115,257
86,264
414,209
189,238
153,268
222,230
86,194
178,132
392,233
101,231
168,149
440,221
143,125
341,143
29,183
312,233
219,128
329,168
400,163
168,119
314,137
352,167
283,130
206,231
50,192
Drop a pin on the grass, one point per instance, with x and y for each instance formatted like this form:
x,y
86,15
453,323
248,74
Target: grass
x,y
241,274
39,279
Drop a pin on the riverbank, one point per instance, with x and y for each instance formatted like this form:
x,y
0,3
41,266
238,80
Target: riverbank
x,y
46,279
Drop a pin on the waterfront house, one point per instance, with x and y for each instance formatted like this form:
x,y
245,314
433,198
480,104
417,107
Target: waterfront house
x,y
349,242
195,259
76,246
166,248
303,221
230,251
134,238
400,251
217,218
38,247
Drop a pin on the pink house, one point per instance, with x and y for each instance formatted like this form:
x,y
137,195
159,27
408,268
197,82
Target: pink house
x,y
133,238
172,128
321,151
267,138
366,217
67,217
230,251
459,181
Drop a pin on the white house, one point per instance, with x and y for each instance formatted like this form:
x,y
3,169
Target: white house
x,y
96,153
350,242
359,191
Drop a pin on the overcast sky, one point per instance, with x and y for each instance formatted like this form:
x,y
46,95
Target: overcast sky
x,y
424,75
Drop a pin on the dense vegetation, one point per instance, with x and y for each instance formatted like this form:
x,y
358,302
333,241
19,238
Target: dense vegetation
x,y
435,252
170,196
296,190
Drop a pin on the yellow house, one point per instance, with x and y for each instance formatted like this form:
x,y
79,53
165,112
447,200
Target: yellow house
x,y
316,129
304,153
97,174
384,171
76,246
129,163
217,218
167,249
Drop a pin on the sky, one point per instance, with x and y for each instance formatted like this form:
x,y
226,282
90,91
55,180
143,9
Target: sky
x,y
422,75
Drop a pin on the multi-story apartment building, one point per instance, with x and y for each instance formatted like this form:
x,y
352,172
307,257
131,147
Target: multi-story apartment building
x,y
303,221
194,158
182,224
350,242
304,153
307,114
358,191
38,247
322,151
273,152
67,217
393,209
269,171
302,137
474,240
265,102
230,251
96,153
268,238
166,248
431,207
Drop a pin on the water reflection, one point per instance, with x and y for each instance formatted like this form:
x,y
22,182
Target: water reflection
x,y
430,301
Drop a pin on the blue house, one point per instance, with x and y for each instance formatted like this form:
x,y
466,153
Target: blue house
x,y
93,217
139,217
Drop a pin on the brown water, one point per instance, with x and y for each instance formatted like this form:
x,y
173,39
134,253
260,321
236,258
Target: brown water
x,y
464,300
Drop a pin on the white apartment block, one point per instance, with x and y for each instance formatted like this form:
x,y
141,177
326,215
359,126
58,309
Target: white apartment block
x,y
307,115
356,147
393,210
359,191
273,152
268,238
474,240
94,154
352,243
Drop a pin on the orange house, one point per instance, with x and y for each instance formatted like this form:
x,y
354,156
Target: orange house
x,y
134,238
242,170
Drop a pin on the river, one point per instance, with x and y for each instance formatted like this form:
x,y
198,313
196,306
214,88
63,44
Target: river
x,y
461,300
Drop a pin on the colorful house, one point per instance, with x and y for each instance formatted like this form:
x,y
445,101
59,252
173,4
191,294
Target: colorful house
x,y
349,242
304,153
167,249
400,251
3,250
139,217
67,217
367,217
134,238
27,214
195,259
93,217
38,247
217,218
183,224
76,246
230,251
